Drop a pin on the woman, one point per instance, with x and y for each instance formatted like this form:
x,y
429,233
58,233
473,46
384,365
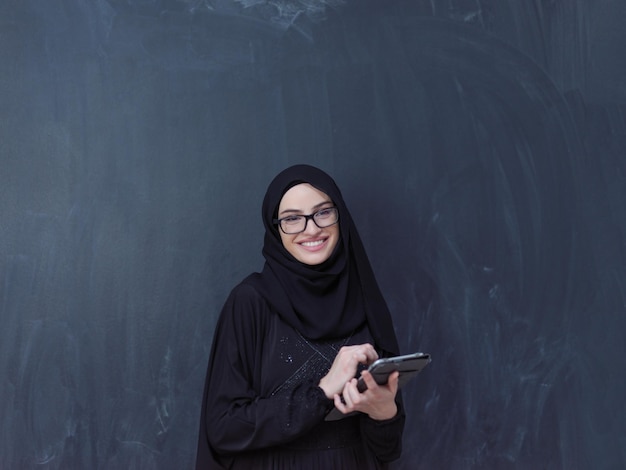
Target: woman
x,y
291,339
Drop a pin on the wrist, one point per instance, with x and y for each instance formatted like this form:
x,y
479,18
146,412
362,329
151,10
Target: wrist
x,y
388,412
324,386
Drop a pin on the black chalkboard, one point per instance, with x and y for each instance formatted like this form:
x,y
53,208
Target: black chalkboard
x,y
481,147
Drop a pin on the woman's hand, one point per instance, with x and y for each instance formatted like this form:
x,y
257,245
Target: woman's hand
x,y
344,367
378,401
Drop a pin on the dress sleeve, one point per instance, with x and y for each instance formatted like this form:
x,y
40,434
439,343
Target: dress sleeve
x,y
384,438
237,417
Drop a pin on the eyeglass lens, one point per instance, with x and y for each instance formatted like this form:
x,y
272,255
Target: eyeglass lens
x,y
297,223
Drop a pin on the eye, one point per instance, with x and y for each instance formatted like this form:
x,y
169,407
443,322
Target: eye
x,y
292,219
325,213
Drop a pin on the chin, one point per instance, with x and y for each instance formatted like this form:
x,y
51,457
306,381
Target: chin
x,y
313,260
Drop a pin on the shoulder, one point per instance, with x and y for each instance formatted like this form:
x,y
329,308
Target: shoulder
x,y
247,290
245,303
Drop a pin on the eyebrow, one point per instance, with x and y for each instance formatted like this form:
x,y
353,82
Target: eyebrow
x,y
297,211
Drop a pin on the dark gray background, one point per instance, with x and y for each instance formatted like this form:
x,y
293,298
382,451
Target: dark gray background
x,y
480,145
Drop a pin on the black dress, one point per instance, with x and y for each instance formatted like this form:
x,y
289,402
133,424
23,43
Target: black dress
x,y
263,408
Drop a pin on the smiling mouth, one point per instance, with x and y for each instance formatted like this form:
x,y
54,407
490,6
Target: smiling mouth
x,y
313,244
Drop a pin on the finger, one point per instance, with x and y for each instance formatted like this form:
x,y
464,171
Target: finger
x,y
394,381
348,389
368,378
350,393
361,357
370,352
340,403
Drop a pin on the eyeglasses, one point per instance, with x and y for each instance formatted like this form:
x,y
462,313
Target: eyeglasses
x,y
293,224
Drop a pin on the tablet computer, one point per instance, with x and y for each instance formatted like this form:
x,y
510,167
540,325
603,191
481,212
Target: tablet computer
x,y
408,365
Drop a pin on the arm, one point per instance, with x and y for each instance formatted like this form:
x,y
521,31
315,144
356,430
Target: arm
x,y
384,437
383,422
238,418
383,425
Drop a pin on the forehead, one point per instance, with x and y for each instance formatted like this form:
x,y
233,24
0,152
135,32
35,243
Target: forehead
x,y
303,197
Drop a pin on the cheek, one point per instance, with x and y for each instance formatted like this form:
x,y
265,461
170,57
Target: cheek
x,y
335,237
285,239
288,244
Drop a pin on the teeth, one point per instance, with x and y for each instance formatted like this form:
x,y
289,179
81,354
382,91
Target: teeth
x,y
315,243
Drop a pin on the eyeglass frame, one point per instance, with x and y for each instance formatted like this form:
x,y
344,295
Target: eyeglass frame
x,y
306,220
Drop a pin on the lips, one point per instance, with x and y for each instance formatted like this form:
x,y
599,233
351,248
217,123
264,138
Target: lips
x,y
313,245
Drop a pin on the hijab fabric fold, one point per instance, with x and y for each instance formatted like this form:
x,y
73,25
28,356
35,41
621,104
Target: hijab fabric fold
x,y
329,300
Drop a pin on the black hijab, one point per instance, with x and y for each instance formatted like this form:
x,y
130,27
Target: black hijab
x,y
334,298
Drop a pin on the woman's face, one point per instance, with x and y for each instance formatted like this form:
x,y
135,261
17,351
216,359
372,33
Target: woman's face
x,y
314,245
